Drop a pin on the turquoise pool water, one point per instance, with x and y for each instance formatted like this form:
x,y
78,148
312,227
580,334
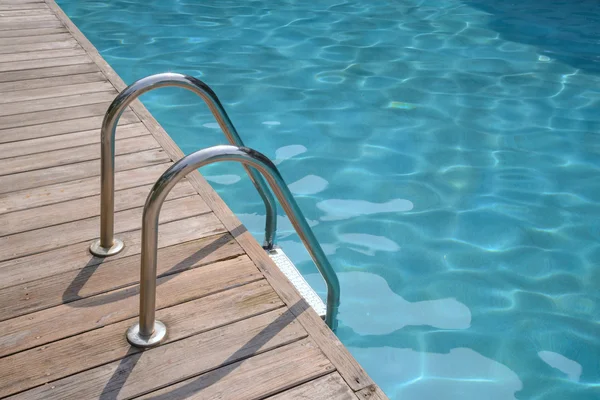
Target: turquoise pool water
x,y
447,154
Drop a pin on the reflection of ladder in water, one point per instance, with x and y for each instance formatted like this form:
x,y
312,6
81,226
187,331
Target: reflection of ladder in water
x,y
150,332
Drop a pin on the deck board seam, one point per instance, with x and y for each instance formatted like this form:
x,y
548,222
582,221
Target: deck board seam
x,y
129,285
77,47
75,198
64,134
87,240
222,290
56,121
41,168
155,162
200,332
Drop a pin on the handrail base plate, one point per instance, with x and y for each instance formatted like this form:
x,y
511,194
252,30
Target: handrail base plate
x,y
100,251
135,339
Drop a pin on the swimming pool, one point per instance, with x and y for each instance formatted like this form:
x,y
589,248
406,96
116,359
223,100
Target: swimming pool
x,y
447,156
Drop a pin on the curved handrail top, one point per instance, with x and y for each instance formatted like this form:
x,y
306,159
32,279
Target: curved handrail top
x,y
170,79
108,131
266,167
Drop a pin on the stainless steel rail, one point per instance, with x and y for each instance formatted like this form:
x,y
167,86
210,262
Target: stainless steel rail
x,y
107,244
149,332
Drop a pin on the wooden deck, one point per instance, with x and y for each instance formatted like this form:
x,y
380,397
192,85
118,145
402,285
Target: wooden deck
x,y
237,328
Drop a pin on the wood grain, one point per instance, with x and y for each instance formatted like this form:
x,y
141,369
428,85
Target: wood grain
x,y
371,393
66,141
23,6
55,125
13,48
77,189
44,63
79,209
55,158
66,173
52,23
47,238
77,256
192,356
328,387
256,377
53,92
110,275
90,349
16,13
48,104
51,116
57,81
35,73
46,326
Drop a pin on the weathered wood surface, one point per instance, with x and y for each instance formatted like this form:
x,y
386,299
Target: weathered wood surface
x,y
330,386
237,328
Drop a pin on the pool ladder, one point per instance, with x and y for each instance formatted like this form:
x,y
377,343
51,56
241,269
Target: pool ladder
x,y
149,332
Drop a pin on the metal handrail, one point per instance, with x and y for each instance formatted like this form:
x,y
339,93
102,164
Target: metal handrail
x,y
107,244
149,332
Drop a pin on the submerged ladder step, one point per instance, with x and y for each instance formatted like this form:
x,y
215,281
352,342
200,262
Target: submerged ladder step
x,y
291,272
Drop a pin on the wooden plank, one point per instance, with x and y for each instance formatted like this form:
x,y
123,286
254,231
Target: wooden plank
x,y
16,13
19,2
66,141
90,349
75,256
29,106
41,17
77,189
40,240
328,387
48,117
66,173
61,91
23,6
35,73
61,126
253,378
41,55
46,326
110,275
56,158
38,46
56,37
372,392
52,23
60,213
18,33
50,62
197,354
29,84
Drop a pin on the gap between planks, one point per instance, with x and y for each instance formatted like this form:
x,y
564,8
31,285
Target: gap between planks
x,y
110,275
47,238
56,158
66,141
77,256
64,320
97,347
77,189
